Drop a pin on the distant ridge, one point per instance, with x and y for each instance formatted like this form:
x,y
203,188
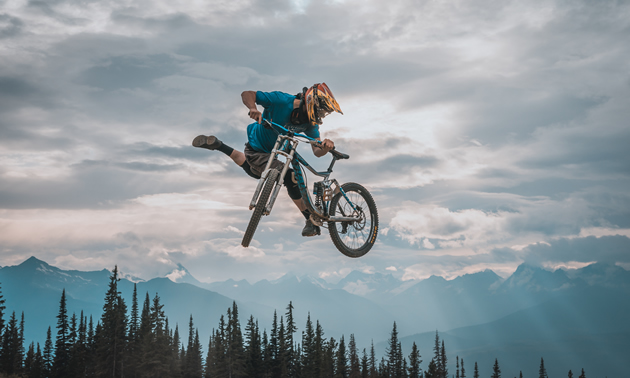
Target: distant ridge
x,y
532,311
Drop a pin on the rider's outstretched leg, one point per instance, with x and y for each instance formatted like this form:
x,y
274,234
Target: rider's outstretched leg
x,y
213,143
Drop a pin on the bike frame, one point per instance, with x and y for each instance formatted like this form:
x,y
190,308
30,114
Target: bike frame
x,y
286,146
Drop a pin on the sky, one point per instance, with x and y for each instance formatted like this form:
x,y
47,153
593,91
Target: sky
x,y
490,133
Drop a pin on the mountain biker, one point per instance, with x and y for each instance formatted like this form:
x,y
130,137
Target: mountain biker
x,y
304,112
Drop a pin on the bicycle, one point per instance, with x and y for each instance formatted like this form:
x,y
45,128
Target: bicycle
x,y
348,210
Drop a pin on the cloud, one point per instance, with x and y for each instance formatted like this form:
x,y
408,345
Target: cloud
x,y
610,249
10,26
477,127
176,275
417,223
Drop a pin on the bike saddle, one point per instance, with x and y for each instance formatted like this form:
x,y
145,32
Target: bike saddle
x,y
339,155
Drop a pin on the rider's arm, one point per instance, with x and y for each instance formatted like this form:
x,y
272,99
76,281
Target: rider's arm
x,y
324,148
249,100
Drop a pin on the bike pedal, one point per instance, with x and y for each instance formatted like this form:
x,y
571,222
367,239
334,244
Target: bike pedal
x,y
317,221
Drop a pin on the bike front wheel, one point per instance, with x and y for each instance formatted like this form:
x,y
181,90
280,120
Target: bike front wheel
x,y
354,239
270,182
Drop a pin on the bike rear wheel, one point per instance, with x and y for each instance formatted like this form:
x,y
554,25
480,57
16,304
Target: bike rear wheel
x,y
270,182
354,239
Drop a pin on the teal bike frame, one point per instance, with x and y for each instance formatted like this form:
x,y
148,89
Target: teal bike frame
x,y
324,190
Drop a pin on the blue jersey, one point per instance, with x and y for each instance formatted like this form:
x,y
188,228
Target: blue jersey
x,y
278,107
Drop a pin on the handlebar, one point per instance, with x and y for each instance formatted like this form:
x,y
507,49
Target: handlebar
x,y
270,125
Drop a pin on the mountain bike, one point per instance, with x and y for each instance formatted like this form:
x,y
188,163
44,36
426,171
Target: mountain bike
x,y
348,211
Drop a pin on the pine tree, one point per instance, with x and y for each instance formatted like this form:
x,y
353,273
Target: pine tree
x,y
329,352
463,371
365,370
324,352
570,374
220,340
191,362
496,371
209,370
10,356
111,343
405,368
443,361
2,308
48,354
266,353
197,361
373,371
476,371
290,330
355,364
33,362
283,366
155,361
73,347
77,346
394,357
432,370
582,375
457,367
29,359
60,363
382,369
542,372
341,367
134,321
235,344
20,347
273,348
133,352
308,349
253,353
36,366
414,362
437,356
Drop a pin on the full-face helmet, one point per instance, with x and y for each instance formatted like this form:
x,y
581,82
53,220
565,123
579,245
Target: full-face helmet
x,y
319,103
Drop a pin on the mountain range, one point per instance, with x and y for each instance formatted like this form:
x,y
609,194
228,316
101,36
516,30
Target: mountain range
x,y
573,318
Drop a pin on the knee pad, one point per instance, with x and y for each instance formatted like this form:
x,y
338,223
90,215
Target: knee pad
x,y
291,184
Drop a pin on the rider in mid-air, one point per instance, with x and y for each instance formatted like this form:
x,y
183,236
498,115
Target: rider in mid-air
x,y
303,112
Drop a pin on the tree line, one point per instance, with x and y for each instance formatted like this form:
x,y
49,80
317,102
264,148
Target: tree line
x,y
141,344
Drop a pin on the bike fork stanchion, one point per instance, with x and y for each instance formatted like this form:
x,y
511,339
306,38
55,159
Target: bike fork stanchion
x,y
261,181
289,158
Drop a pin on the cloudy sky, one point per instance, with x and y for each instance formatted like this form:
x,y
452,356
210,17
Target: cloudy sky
x,y
490,133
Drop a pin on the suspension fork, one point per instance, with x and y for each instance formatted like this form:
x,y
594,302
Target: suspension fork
x,y
263,176
291,145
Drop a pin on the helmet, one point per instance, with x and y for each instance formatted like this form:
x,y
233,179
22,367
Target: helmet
x,y
319,103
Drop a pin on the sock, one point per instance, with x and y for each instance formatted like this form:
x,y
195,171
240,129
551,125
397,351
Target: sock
x,y
225,149
307,214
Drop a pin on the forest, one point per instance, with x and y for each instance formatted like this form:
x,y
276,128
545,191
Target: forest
x,y
139,343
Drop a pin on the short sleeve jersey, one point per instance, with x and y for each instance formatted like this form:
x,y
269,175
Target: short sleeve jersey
x,y
278,107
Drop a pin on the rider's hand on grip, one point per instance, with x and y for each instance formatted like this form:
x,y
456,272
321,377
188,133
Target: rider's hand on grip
x,y
255,114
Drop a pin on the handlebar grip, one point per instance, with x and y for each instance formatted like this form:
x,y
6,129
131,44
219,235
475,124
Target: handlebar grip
x,y
334,152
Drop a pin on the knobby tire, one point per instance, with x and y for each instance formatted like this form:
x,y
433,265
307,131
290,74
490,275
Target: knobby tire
x,y
270,182
359,237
